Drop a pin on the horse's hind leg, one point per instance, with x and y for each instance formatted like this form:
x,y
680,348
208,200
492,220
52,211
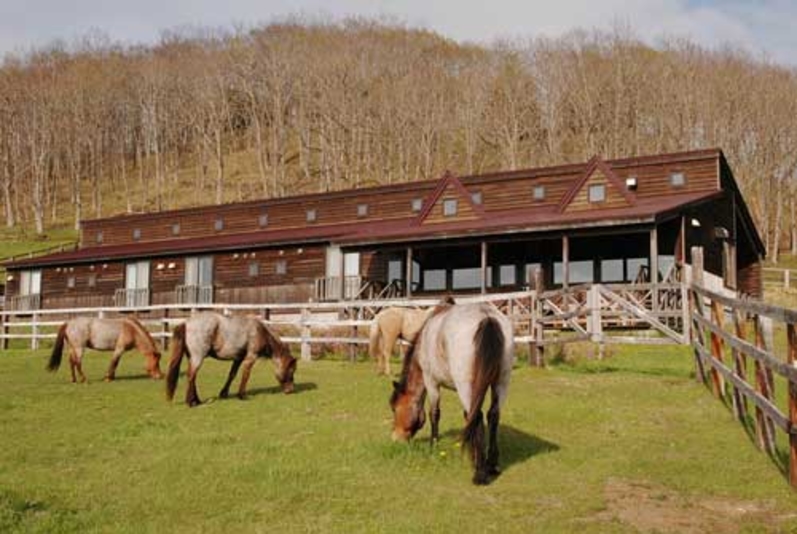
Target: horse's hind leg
x,y
225,391
191,394
434,413
493,415
79,364
72,363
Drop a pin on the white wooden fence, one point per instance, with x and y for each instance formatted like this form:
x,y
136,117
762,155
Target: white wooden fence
x,y
592,312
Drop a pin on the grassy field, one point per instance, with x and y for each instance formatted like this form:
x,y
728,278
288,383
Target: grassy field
x,y
624,445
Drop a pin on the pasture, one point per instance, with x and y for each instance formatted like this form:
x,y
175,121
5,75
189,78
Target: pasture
x,y
628,444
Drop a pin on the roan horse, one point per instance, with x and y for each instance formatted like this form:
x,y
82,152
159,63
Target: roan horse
x,y
118,335
468,348
240,339
390,325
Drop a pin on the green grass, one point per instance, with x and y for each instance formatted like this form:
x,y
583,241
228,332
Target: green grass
x,y
578,441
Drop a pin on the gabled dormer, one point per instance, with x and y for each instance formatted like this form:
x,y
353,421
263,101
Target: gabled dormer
x,y
450,201
598,188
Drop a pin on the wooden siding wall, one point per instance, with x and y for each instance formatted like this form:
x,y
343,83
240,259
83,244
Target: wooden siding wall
x,y
749,280
500,194
465,211
612,199
57,294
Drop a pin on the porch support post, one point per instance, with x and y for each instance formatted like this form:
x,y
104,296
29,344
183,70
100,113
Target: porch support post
x,y
484,267
565,261
408,273
685,317
342,275
654,268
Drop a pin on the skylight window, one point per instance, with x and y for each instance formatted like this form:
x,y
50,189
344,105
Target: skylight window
x,y
597,193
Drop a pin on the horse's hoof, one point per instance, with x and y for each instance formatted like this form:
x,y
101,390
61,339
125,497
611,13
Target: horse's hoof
x,y
242,397
493,471
481,478
108,379
224,394
194,403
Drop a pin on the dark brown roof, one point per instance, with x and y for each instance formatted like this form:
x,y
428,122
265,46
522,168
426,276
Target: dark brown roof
x,y
543,218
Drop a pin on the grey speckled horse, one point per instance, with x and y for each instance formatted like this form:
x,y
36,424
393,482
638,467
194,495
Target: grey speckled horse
x,y
118,335
238,339
467,348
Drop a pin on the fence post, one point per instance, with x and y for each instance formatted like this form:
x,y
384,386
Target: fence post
x,y
34,340
353,314
537,356
165,329
791,355
305,327
596,330
786,278
717,317
696,308
686,320
765,431
740,363
4,330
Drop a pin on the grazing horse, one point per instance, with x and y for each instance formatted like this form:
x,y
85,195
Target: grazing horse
x,y
118,335
390,325
468,348
240,339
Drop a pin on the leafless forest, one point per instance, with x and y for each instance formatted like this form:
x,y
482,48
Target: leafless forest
x,y
206,116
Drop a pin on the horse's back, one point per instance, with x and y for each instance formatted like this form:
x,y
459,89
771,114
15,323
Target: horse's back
x,y
97,333
226,336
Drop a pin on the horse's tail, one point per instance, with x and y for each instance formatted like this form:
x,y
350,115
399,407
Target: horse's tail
x,y
178,351
58,349
489,344
374,339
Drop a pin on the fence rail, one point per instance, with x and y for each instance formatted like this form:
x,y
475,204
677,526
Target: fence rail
x,y
715,337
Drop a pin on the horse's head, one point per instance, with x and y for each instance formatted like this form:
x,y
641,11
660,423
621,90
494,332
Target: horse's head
x,y
284,368
154,365
408,414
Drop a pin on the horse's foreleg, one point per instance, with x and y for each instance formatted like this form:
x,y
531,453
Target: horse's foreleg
x,y
434,414
117,355
225,391
72,363
493,415
248,363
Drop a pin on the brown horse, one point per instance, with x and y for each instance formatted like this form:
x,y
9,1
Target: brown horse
x,y
468,348
118,335
390,325
240,339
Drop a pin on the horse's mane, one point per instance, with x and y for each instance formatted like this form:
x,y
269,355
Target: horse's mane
x,y
401,386
142,330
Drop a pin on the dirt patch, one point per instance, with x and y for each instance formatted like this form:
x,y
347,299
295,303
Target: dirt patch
x,y
648,508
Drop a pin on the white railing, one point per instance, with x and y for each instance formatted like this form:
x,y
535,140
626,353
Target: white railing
x,y
328,288
25,302
130,298
191,294
539,319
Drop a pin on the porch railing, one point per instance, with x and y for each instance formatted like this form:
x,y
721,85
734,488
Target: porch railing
x,y
328,288
25,302
193,294
127,298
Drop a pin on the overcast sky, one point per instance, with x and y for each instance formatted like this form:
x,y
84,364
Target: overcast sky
x,y
761,26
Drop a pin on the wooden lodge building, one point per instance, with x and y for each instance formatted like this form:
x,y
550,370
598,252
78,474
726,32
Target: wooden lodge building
x,y
600,221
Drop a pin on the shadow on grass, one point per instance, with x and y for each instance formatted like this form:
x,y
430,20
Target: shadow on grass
x,y
270,390
142,376
515,445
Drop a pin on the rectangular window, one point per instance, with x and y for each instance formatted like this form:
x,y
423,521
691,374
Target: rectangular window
x,y
362,210
70,282
30,282
678,179
281,267
636,268
417,204
136,234
468,278
597,193
450,207
539,192
581,272
612,271
476,197
218,225
199,271
100,237
92,280
137,275
507,275
351,264
254,269
531,268
434,279
312,215
176,229
262,221
395,270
